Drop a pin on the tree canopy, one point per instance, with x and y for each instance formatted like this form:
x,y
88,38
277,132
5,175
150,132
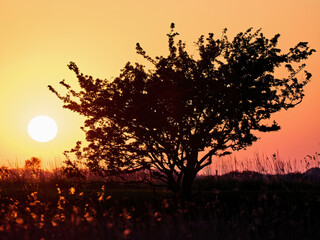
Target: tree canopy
x,y
213,103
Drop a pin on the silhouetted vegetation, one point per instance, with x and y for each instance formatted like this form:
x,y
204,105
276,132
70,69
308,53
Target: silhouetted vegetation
x,y
162,118
33,163
234,206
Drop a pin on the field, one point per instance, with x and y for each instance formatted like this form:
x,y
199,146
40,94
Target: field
x,y
39,205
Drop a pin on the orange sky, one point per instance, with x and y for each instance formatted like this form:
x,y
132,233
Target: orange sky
x,y
39,38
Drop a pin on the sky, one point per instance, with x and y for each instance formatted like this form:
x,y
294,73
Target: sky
x,y
39,38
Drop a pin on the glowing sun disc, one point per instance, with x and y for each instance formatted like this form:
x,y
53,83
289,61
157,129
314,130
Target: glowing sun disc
x,y
42,129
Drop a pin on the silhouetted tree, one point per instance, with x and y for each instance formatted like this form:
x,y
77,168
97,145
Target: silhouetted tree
x,y
33,163
161,119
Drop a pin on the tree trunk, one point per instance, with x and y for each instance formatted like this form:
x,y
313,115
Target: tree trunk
x,y
172,184
188,178
189,174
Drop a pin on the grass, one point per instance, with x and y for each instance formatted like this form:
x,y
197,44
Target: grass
x,y
43,205
275,164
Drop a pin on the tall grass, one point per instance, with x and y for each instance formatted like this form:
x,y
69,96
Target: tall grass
x,y
275,164
43,205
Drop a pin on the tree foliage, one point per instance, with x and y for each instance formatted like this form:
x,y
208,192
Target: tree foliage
x,y
161,119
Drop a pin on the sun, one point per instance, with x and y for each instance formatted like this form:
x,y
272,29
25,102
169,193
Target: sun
x,y
42,129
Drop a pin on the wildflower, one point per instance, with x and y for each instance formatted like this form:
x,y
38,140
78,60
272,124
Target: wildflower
x,y
88,217
125,214
55,220
62,217
14,214
165,203
75,209
126,232
72,190
101,194
157,216
109,197
100,198
41,223
19,221
34,216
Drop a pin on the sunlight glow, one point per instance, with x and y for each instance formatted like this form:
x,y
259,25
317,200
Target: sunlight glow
x,y
42,129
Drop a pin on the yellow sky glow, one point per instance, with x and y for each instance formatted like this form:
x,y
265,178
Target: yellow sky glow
x,y
39,38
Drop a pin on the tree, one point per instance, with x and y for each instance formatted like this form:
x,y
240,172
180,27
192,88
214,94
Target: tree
x,y
161,119
33,163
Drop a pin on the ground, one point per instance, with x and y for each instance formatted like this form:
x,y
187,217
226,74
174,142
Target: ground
x,y
234,206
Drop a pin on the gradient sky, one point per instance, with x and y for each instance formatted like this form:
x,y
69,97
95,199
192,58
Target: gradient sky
x,y
39,38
